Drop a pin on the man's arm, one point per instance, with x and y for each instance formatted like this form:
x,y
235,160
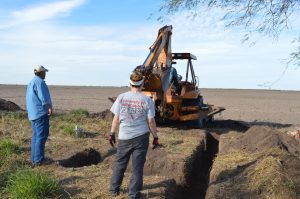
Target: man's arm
x,y
114,124
152,126
44,96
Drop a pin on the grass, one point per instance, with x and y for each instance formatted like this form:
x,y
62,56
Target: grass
x,y
68,129
177,143
230,161
86,182
79,112
65,123
14,125
32,185
10,161
268,175
7,149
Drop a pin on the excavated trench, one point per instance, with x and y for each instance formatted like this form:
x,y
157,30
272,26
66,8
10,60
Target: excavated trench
x,y
196,171
198,166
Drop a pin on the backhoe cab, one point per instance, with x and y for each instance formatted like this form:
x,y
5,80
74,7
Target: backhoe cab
x,y
176,98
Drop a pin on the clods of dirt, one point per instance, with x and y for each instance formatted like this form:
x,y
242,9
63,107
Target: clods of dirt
x,y
260,138
86,157
8,106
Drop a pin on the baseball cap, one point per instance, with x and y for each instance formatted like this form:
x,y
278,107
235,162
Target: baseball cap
x,y
40,68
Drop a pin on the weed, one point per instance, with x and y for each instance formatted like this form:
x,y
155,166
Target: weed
x,y
32,185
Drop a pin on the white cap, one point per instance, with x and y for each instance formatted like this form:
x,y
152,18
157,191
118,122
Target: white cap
x,y
40,68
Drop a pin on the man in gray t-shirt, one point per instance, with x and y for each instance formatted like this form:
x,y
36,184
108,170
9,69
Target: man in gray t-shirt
x,y
133,110
135,113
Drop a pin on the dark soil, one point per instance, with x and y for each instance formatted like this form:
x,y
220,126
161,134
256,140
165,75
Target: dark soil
x,y
261,138
83,158
159,163
8,106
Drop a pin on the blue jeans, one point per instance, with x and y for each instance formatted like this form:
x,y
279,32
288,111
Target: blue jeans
x,y
137,148
40,132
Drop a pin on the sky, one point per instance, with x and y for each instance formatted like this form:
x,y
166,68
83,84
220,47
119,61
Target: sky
x,y
99,43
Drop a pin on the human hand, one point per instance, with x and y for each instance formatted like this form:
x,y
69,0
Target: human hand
x,y
50,111
155,142
112,139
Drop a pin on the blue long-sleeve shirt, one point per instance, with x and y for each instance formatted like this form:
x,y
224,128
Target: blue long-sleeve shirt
x,y
38,98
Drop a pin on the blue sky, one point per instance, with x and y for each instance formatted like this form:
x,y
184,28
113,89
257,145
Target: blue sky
x,y
98,43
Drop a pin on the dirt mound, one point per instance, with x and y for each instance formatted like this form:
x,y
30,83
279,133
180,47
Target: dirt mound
x,y
105,115
261,163
83,158
261,138
8,106
158,162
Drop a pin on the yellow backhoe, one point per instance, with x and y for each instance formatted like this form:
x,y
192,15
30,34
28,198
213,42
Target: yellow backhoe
x,y
176,98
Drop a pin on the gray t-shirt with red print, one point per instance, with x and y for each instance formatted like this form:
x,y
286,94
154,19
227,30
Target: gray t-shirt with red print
x,y
133,110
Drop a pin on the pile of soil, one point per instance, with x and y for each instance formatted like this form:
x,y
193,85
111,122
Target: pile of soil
x,y
261,140
83,158
159,162
8,106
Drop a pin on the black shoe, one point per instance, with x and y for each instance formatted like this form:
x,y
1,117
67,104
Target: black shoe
x,y
115,194
45,161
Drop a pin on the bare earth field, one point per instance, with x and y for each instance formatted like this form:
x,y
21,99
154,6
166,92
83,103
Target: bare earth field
x,y
255,106
245,153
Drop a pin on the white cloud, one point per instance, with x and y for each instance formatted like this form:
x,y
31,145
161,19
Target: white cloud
x,y
42,12
105,55
89,54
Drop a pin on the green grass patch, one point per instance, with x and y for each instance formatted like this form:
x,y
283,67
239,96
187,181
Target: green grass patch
x,y
14,115
68,129
74,116
9,160
7,149
79,112
28,184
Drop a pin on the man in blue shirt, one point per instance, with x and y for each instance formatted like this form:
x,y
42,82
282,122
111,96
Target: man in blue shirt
x,y
39,108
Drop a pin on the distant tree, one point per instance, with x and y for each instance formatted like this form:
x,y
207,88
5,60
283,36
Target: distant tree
x,y
267,17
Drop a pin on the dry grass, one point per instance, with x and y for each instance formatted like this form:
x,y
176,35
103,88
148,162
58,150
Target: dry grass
x,y
230,161
91,181
268,176
265,177
178,143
